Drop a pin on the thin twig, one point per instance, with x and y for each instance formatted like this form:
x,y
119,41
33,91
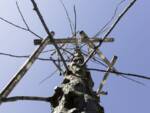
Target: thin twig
x,y
58,67
19,27
15,25
122,73
48,77
34,34
68,17
48,32
110,30
96,59
75,23
54,50
53,73
22,15
24,21
103,29
133,80
27,56
69,20
46,51
65,50
27,98
59,48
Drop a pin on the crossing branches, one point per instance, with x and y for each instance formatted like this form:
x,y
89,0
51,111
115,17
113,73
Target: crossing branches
x,y
126,9
48,32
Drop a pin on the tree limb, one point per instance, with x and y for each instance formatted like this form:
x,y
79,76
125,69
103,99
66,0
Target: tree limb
x,y
24,21
26,98
48,32
103,29
110,30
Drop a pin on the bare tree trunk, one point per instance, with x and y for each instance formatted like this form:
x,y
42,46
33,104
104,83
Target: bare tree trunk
x,y
75,94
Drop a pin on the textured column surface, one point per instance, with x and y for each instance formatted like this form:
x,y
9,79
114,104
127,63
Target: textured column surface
x,y
75,94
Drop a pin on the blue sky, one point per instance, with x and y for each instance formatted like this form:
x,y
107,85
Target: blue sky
x,y
131,46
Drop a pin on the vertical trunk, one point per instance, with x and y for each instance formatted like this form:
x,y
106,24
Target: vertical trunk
x,y
75,94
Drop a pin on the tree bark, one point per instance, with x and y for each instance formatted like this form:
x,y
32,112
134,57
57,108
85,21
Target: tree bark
x,y
75,94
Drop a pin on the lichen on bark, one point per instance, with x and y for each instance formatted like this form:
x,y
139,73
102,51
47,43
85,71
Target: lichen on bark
x,y
75,94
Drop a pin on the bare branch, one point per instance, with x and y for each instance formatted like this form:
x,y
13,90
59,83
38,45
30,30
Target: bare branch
x,y
133,80
27,98
23,19
27,56
46,51
48,77
22,71
95,59
59,48
103,29
15,25
124,76
110,30
75,23
21,15
19,27
69,20
53,73
122,73
65,50
58,67
34,34
47,31
118,19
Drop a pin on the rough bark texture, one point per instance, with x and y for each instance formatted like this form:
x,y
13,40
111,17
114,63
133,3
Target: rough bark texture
x,y
75,94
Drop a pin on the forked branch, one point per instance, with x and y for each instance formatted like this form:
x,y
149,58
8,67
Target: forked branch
x,y
20,27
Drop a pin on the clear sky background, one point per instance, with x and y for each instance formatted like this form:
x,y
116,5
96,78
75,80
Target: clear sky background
x,y
132,43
